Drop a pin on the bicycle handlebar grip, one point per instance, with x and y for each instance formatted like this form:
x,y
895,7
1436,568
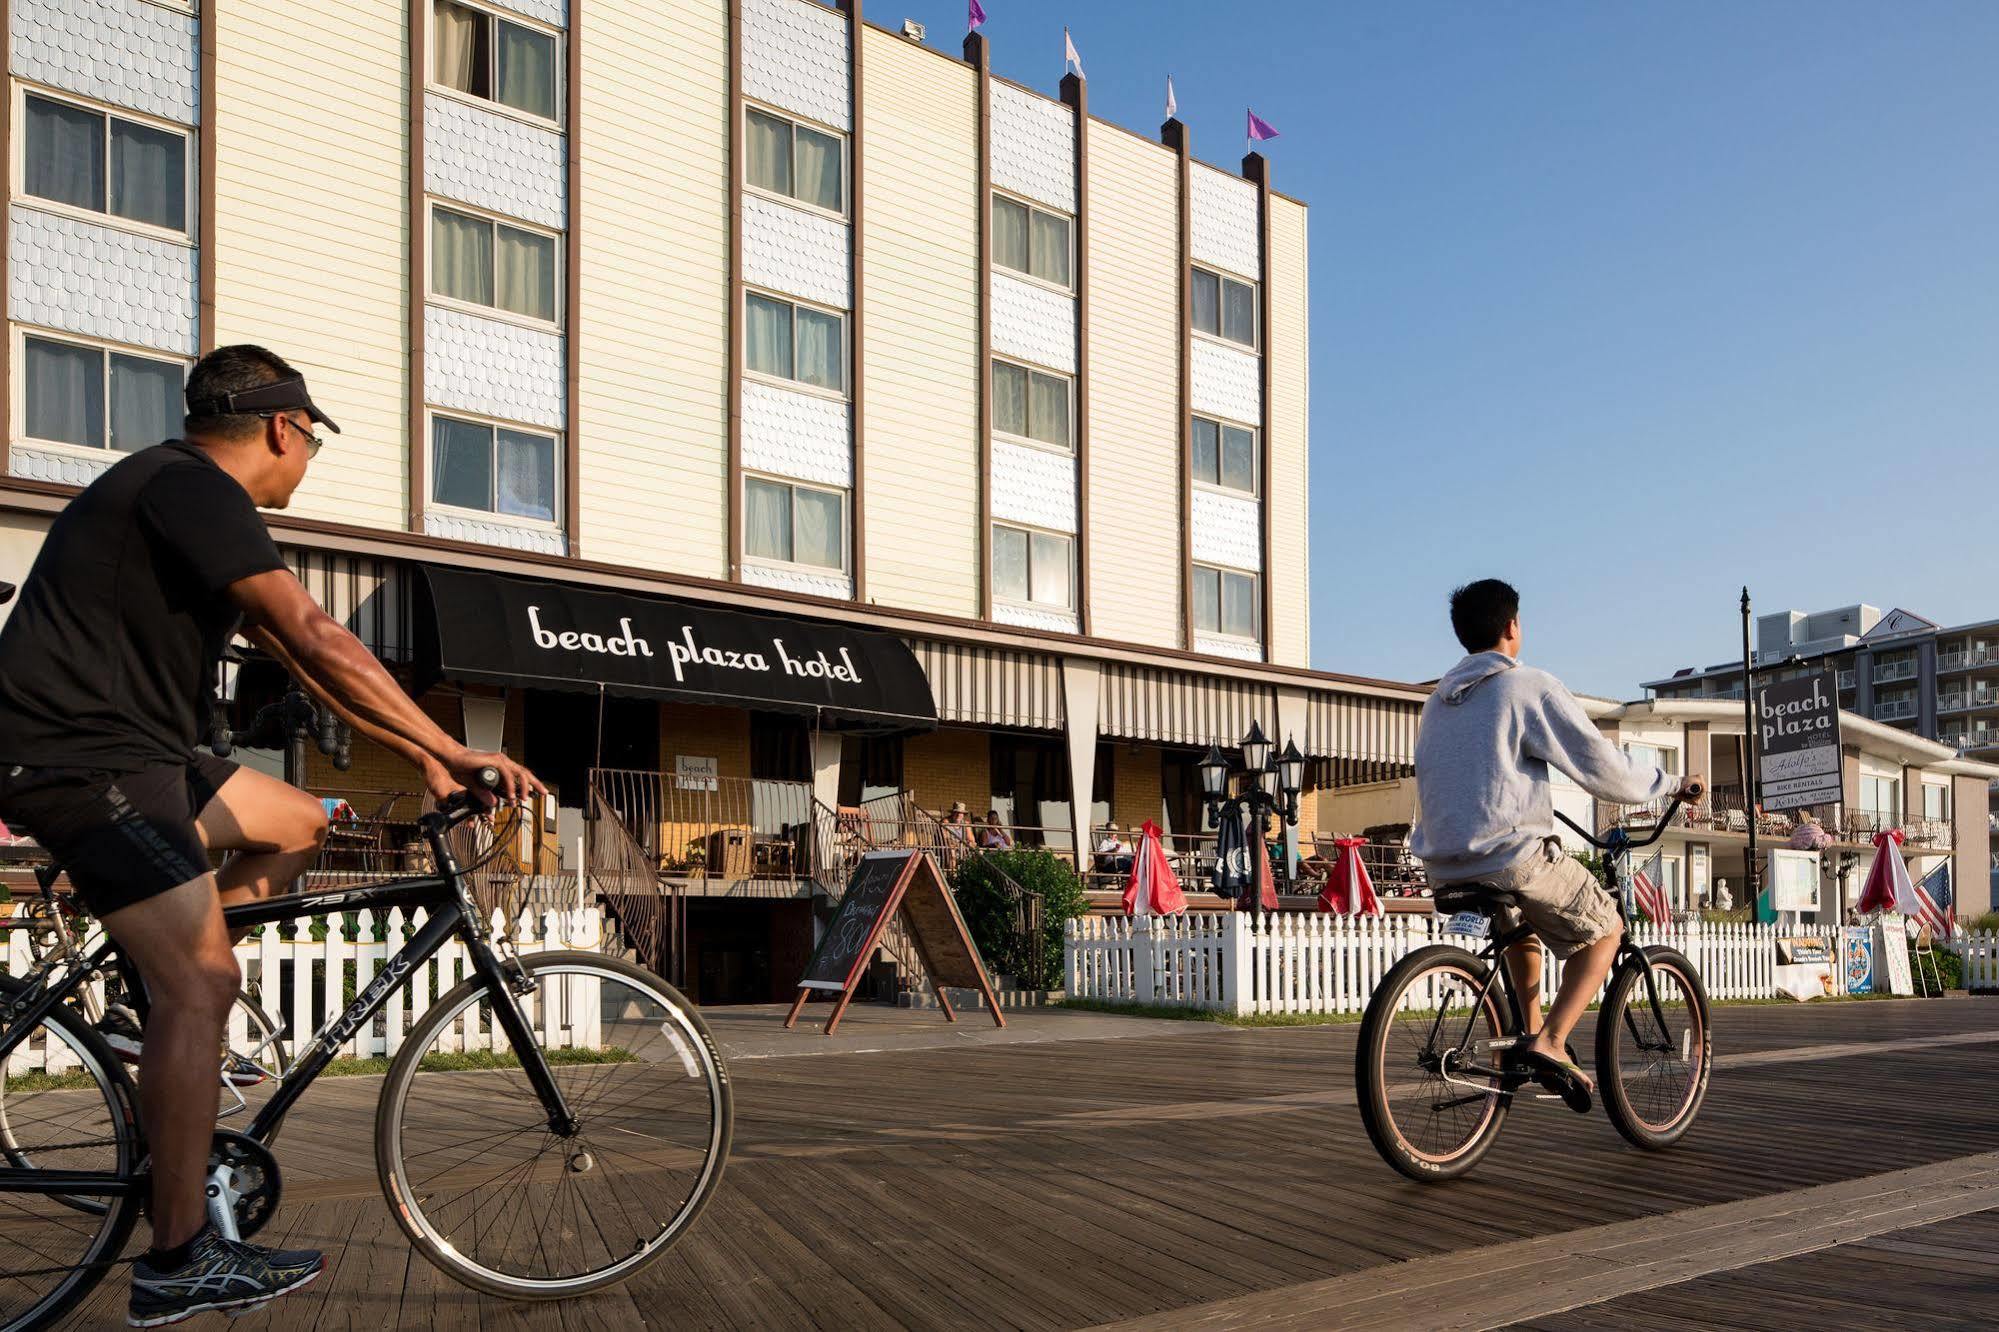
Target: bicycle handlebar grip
x,y
488,778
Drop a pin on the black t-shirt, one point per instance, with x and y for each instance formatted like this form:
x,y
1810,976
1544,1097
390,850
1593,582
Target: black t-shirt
x,y
108,660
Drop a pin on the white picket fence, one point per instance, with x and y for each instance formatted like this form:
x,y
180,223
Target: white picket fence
x,y
1314,963
302,981
1980,954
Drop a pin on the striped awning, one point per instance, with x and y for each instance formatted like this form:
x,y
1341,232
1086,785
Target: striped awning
x,y
1364,737
983,686
1179,707
369,595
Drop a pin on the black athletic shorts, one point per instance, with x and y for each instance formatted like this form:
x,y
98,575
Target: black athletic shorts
x,y
122,836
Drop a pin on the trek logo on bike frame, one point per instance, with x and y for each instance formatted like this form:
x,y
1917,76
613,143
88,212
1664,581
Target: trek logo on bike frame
x,y
364,1003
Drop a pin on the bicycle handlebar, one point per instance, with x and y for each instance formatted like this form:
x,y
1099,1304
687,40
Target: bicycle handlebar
x,y
1658,832
460,804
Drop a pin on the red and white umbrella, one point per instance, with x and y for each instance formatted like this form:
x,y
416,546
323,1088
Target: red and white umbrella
x,y
1153,888
1888,885
1348,889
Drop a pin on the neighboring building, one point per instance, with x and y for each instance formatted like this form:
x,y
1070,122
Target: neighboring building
x,y
704,306
1899,669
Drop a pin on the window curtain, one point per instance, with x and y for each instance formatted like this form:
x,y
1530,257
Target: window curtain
x,y
524,277
460,62
65,393
461,257
1051,248
1239,316
526,70
769,147
1207,600
767,520
148,175
1051,410
462,463
768,337
1010,235
146,402
65,154
1010,563
1009,399
1050,570
1207,302
816,162
1207,450
819,350
1238,459
818,529
1239,606
524,475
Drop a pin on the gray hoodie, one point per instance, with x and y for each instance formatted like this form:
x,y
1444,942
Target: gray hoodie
x,y
1487,737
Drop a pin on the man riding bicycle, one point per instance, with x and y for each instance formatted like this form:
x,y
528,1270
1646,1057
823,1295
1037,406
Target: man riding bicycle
x,y
107,668
1487,738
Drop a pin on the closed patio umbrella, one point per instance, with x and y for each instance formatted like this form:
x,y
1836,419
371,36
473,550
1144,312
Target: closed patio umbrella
x,y
1888,886
1153,889
1348,889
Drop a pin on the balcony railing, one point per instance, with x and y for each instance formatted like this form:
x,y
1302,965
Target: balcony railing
x,y
1962,700
1846,679
1960,659
1887,672
1900,709
727,828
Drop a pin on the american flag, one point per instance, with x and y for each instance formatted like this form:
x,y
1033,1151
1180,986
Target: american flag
x,y
1936,905
1648,886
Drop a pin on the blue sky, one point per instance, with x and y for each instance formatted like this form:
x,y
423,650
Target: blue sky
x,y
1630,304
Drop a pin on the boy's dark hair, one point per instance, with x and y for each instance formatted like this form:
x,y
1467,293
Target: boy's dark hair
x,y
1480,612
224,371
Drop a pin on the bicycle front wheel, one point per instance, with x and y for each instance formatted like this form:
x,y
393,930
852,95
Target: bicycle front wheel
x,y
1653,1059
1426,1070
482,1186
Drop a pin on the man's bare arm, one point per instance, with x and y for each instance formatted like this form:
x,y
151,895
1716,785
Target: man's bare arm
x,y
333,660
435,775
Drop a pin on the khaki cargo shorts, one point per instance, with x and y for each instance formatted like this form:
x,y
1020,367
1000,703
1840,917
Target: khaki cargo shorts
x,y
1560,899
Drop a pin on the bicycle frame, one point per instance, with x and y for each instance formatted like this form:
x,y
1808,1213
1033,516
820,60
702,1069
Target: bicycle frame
x,y
452,914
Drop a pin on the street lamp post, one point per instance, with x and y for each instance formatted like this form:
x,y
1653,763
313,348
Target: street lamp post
x,y
1271,785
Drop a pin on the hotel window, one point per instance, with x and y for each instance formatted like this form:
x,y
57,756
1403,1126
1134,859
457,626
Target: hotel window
x,y
1936,802
103,163
794,524
1033,568
1224,603
480,261
1224,307
96,397
1881,797
1031,405
491,468
786,340
1657,755
1224,456
1031,241
485,56
795,161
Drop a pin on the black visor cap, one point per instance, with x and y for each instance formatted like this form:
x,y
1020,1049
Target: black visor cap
x,y
280,395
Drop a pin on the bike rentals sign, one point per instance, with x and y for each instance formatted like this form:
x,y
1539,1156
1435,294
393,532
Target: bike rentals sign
x,y
1797,736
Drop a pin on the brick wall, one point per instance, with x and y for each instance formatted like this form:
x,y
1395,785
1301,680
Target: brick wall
x,y
1135,785
376,770
949,764
722,734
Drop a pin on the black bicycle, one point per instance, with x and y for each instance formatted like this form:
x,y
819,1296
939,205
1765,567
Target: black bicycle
x,y
548,1127
1432,1069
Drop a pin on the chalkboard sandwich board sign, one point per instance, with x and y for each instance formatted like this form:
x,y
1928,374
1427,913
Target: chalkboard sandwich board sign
x,y
884,883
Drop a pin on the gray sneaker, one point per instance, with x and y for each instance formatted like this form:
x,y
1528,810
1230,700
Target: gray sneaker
x,y
223,1274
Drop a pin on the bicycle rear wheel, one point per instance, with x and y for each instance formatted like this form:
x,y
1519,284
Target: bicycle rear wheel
x,y
489,1194
1431,1019
65,1104
1653,1064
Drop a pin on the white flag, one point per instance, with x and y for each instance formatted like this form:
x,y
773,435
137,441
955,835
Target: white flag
x,y
1172,102
1069,56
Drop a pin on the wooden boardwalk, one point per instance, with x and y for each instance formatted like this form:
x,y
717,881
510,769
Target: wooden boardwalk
x,y
1195,1175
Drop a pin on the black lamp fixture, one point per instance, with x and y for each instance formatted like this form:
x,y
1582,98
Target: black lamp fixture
x,y
1291,775
1255,749
1214,773
1274,781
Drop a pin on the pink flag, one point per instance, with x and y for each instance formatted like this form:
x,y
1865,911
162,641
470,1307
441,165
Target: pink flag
x,y
975,15
1259,129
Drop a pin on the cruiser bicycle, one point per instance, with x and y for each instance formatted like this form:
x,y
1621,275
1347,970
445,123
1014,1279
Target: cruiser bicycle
x,y
1432,1069
565,1158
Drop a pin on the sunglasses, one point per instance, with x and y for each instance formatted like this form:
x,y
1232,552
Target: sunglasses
x,y
314,442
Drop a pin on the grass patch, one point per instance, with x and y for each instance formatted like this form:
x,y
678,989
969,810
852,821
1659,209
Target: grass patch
x,y
479,1061
1182,1014
41,1082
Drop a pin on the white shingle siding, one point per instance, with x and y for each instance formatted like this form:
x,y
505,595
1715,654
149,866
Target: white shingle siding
x,y
1227,383
495,162
58,465
140,56
555,13
797,435
1228,647
1223,214
1034,323
493,367
499,532
1034,486
1034,147
82,277
800,580
795,58
796,252
1035,617
1228,531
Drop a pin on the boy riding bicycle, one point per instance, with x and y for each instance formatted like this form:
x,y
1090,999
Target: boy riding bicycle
x,y
1487,738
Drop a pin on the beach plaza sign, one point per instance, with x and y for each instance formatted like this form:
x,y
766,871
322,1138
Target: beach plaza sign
x,y
1797,743
501,630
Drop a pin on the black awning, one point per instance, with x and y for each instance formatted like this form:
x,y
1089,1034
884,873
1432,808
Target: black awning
x,y
518,631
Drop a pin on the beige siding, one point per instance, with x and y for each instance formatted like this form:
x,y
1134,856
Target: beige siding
x,y
920,461
311,250
1135,464
1290,503
654,320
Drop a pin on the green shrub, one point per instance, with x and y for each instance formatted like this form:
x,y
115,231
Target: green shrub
x,y
990,912
1985,924
1951,967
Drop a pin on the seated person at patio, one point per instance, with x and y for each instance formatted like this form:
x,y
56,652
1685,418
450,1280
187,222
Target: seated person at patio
x,y
1484,745
994,837
1113,852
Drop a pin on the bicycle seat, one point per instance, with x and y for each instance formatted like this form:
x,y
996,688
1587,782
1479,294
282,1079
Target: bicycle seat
x,y
1484,898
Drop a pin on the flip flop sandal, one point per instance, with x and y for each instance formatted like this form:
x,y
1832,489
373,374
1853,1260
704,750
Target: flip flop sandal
x,y
1560,1076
